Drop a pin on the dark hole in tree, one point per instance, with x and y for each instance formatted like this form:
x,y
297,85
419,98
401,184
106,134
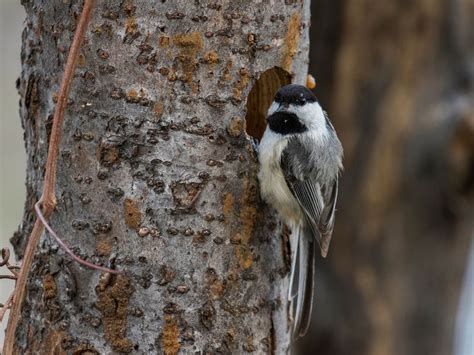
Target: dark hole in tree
x,y
260,98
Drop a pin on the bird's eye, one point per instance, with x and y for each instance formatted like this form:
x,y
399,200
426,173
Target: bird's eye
x,y
277,97
302,101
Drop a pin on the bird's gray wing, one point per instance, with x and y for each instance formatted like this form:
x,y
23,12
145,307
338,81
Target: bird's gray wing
x,y
326,221
318,205
318,202
317,198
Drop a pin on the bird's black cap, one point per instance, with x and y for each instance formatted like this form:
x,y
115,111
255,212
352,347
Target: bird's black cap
x,y
295,95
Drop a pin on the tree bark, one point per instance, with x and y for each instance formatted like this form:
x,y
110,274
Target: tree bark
x,y
397,80
157,176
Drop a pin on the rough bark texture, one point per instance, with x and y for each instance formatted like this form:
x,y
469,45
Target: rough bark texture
x,y
397,80
156,177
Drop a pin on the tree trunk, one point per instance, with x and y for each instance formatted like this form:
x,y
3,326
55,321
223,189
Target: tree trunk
x,y
157,176
397,80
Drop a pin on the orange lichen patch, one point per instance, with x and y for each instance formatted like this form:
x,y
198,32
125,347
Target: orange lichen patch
x,y
172,76
185,194
241,84
49,287
164,41
199,239
251,38
132,214
108,155
191,44
310,81
128,7
158,110
85,349
132,94
235,127
211,57
248,217
291,41
217,289
226,77
103,247
54,97
228,204
131,26
81,60
233,275
190,40
113,304
245,256
170,336
249,347
52,343
231,333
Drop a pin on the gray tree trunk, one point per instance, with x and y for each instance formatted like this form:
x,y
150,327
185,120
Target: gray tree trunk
x,y
157,177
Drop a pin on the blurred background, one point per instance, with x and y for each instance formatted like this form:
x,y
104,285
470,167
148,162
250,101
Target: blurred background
x,y
397,80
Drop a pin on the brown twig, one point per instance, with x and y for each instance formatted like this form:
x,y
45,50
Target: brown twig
x,y
66,248
5,307
48,197
5,261
15,270
5,254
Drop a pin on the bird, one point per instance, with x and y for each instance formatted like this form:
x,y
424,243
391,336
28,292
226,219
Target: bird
x,y
300,160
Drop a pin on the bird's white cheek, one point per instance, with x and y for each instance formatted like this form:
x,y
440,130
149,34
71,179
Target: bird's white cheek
x,y
312,116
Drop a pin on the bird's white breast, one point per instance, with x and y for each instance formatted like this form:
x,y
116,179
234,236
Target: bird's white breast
x,y
273,186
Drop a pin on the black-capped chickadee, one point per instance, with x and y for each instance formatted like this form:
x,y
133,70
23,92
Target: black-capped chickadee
x,y
300,160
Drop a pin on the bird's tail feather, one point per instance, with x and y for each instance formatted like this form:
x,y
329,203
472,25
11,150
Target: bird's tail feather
x,y
302,280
